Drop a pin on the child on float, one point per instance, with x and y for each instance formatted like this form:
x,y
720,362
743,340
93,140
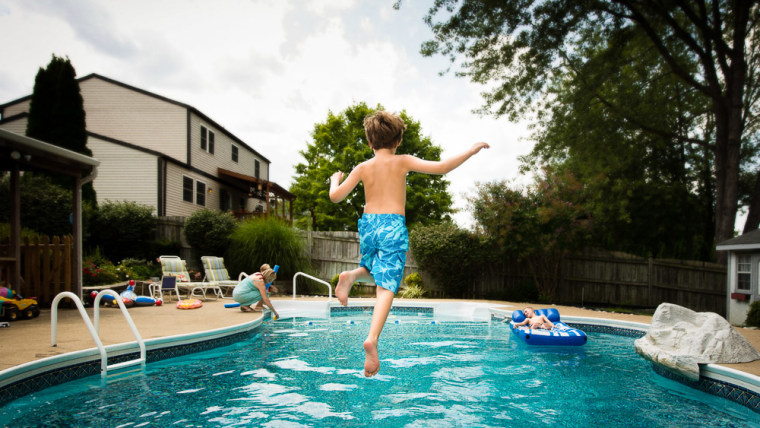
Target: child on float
x,y
253,289
383,236
535,321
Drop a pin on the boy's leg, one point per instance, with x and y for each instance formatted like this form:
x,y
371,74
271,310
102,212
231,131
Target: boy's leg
x,y
347,279
379,315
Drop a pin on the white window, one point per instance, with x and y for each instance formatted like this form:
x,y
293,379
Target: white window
x,y
743,273
207,140
234,153
187,189
200,193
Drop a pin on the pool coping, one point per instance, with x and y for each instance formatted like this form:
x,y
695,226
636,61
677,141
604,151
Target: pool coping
x,y
15,382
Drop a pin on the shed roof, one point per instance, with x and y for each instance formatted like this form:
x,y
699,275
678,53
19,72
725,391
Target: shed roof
x,y
747,241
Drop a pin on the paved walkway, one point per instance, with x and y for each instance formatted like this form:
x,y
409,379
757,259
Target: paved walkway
x,y
29,340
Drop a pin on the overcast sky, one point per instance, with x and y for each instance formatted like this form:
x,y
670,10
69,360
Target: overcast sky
x,y
267,70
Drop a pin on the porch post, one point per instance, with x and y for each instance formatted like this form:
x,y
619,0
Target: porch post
x,y
77,230
15,226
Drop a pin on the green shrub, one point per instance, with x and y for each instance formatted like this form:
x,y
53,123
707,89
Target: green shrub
x,y
449,254
208,231
124,229
139,269
753,315
98,270
266,240
413,287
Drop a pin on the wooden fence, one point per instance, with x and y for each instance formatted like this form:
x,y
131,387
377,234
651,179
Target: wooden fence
x,y
46,267
590,278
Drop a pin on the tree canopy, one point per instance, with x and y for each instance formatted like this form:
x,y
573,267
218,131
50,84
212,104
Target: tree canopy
x,y
339,144
56,113
521,47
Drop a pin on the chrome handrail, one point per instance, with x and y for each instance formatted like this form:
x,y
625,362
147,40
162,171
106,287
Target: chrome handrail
x,y
329,287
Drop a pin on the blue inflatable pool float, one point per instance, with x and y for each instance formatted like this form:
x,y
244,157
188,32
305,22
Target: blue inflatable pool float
x,y
560,335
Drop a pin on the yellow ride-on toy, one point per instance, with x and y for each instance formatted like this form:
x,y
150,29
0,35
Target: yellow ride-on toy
x,y
15,306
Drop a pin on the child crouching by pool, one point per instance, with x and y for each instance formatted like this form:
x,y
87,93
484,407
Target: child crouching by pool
x,y
252,290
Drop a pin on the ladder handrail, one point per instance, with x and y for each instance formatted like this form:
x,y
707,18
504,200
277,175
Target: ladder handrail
x,y
85,318
125,312
93,329
329,287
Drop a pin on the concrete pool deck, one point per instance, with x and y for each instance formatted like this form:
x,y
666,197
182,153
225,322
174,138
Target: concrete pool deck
x,y
29,340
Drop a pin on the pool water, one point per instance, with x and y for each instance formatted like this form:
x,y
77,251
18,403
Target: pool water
x,y
301,372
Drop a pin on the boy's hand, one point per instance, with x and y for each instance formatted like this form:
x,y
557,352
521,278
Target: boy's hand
x,y
478,146
337,177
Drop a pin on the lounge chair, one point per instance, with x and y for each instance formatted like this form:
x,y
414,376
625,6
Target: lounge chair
x,y
217,274
175,267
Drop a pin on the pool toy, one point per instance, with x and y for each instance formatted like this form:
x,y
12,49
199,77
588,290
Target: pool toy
x,y
189,304
560,335
231,305
275,269
15,306
144,301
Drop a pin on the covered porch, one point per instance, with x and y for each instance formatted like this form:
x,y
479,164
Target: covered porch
x,y
276,201
20,153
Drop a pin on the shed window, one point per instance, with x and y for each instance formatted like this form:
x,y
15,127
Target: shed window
x,y
743,273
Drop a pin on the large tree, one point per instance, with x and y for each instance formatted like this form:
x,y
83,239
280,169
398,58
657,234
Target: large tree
x,y
56,113
638,142
339,144
517,46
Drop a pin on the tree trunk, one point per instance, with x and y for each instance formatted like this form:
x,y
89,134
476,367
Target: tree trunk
x,y
753,216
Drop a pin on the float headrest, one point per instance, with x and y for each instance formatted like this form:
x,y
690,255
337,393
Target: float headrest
x,y
551,313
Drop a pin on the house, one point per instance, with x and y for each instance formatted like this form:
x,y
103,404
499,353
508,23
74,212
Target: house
x,y
743,274
165,154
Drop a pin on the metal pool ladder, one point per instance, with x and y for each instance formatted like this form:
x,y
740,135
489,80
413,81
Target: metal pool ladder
x,y
329,287
104,367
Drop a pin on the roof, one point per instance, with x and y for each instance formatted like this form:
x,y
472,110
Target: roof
x,y
747,241
30,154
162,98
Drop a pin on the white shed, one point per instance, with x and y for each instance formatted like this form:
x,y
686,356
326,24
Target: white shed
x,y
743,272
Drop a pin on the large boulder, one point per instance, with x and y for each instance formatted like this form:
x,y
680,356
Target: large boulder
x,y
681,339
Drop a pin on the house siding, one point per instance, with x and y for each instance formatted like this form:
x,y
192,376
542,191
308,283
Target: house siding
x,y
124,174
135,118
18,126
222,157
175,205
14,109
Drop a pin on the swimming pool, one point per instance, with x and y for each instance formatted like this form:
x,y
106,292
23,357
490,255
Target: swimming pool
x,y
308,372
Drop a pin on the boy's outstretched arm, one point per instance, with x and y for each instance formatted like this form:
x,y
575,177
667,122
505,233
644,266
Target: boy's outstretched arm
x,y
446,165
338,190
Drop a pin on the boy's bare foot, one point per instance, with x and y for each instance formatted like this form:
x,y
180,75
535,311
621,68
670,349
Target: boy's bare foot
x,y
371,360
345,281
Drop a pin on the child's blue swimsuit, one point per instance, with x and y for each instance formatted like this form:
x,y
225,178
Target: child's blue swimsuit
x,y
384,241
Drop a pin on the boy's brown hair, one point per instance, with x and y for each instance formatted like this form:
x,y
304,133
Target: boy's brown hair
x,y
384,130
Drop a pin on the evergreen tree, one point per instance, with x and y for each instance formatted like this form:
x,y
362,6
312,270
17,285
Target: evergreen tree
x,y
57,116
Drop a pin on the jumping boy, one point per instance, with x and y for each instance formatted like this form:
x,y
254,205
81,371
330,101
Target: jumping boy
x,y
384,239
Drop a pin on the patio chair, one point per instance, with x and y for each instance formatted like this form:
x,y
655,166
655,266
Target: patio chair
x,y
217,274
173,266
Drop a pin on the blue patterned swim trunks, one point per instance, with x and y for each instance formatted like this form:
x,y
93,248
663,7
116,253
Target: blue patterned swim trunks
x,y
384,242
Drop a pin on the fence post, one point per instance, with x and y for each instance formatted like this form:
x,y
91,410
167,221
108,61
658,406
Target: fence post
x,y
68,263
650,274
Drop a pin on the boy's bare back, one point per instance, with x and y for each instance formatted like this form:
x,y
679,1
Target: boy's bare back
x,y
384,178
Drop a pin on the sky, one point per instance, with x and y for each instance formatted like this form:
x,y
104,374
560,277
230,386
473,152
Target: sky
x,y
268,71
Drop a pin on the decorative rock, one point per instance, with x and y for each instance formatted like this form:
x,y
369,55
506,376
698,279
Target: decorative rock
x,y
680,339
